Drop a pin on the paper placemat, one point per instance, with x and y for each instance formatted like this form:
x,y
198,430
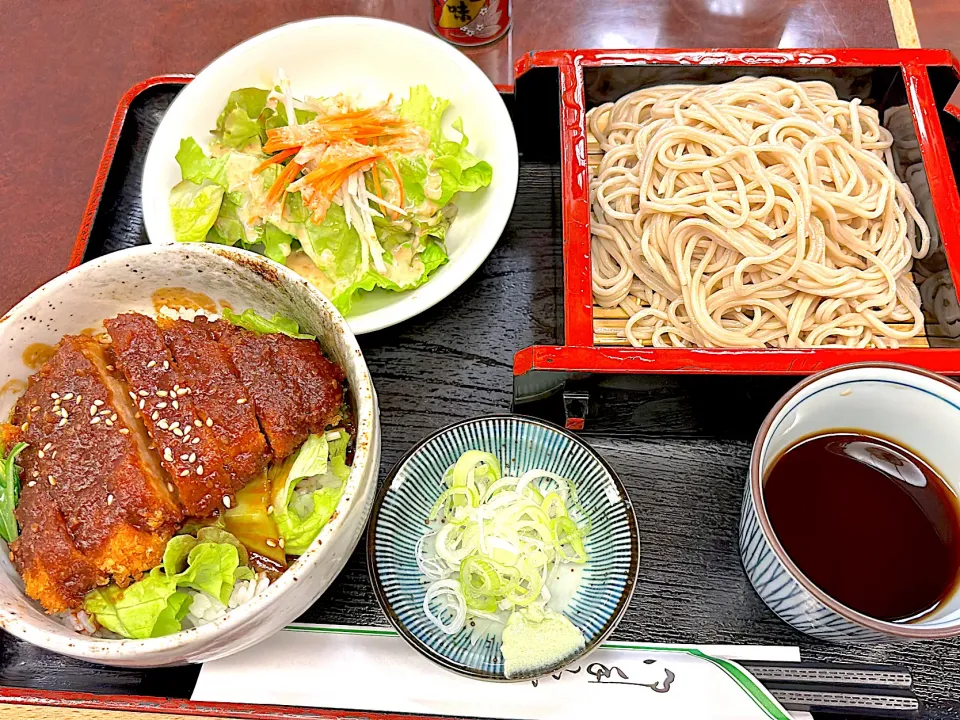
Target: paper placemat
x,y
373,669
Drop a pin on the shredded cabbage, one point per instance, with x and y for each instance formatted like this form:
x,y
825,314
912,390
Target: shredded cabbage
x,y
493,540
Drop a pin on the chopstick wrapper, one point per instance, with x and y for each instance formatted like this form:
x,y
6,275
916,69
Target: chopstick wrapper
x,y
372,669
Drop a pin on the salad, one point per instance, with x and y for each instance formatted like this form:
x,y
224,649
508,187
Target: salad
x,y
351,197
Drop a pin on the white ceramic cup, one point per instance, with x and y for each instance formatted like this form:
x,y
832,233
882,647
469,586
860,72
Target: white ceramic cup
x,y
912,407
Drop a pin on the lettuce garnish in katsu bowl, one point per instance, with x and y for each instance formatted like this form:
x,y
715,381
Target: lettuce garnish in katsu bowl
x,y
352,196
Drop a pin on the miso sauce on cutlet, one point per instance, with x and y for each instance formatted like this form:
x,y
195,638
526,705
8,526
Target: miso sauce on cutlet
x,y
869,522
180,297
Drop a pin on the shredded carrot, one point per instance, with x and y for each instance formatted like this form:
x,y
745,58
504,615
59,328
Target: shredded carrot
x,y
285,177
273,159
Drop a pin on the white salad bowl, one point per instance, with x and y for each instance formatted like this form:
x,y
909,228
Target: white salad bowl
x,y
372,59
80,300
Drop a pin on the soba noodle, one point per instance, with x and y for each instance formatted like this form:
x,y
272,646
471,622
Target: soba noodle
x,y
760,212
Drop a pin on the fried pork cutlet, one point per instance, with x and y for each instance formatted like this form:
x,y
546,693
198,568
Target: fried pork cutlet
x,y
89,458
181,425
221,402
296,390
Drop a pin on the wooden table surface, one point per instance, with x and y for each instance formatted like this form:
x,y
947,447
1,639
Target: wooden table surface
x,y
67,63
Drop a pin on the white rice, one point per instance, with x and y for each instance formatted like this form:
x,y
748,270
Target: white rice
x,y
182,313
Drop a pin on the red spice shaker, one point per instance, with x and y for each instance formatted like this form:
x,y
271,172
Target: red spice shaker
x,y
471,22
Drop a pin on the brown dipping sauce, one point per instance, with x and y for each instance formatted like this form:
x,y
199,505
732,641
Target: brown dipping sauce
x,y
179,297
868,522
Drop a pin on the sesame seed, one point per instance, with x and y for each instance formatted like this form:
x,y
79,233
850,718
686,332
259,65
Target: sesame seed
x,y
47,447
93,410
184,473
108,422
56,403
54,396
64,414
192,458
124,431
41,454
109,499
195,441
113,417
111,368
176,387
142,393
209,422
199,469
271,543
185,456
141,403
269,512
63,421
281,543
168,455
32,483
105,412
51,480
152,363
161,393
36,473
155,416
98,403
176,405
241,401
68,396
187,430
175,425
161,405
183,391
35,408
54,455
178,432
170,487
166,365
133,395
226,501
198,423
162,424
94,421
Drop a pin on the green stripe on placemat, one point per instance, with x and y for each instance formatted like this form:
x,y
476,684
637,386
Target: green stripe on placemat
x,y
744,680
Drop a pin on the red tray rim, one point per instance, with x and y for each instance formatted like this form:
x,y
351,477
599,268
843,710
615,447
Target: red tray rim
x,y
579,354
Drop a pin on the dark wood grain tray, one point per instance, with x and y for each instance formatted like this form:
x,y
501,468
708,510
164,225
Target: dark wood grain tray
x,y
455,362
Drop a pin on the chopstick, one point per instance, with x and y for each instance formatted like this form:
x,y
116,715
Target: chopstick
x,y
830,673
851,689
875,702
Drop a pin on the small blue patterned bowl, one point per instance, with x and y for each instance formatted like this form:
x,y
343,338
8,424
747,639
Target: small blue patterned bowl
x,y
594,604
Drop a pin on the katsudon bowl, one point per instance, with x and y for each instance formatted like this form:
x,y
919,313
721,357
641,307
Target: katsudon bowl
x,y
142,280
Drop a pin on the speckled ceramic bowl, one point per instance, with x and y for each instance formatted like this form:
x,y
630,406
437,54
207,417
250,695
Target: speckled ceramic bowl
x,y
82,298
592,596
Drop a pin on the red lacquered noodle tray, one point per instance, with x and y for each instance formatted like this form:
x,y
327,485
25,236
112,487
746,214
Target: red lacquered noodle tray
x,y
921,80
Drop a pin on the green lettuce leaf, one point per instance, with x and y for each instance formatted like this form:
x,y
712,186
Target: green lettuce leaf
x,y
250,320
196,167
300,517
154,606
413,175
425,110
238,123
135,611
194,209
277,245
460,170
333,245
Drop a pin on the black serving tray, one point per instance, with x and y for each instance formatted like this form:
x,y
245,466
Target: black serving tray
x,y
454,362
